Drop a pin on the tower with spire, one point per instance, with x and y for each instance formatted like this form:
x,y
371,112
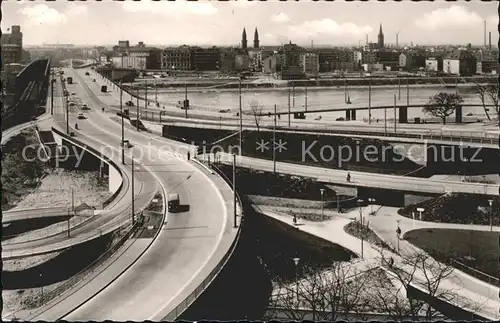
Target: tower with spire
x,y
256,39
380,37
244,39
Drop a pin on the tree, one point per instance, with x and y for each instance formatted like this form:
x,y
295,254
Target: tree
x,y
443,105
322,294
256,111
415,268
492,91
481,93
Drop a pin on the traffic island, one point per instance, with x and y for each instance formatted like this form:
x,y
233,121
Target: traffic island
x,y
458,208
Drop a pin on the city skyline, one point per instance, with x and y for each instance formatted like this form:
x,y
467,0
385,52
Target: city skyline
x,y
101,23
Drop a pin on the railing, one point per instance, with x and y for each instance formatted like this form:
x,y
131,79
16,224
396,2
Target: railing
x,y
179,309
475,273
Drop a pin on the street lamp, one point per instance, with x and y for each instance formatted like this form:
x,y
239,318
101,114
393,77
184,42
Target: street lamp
x,y
398,233
491,214
296,261
322,190
371,200
360,201
41,287
420,210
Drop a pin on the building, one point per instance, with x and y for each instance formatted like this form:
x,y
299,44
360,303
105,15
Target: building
x,y
387,58
368,57
434,64
12,46
487,67
274,63
293,73
152,55
244,39
206,59
256,39
412,60
227,61
177,58
380,43
460,62
310,63
292,54
241,62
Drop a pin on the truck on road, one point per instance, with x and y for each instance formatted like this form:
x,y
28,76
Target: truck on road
x,y
69,79
104,88
173,202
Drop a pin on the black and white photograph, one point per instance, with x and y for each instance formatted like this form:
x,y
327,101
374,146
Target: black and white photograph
x,y
250,160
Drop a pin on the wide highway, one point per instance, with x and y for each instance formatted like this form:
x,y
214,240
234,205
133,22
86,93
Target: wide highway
x,y
117,214
189,244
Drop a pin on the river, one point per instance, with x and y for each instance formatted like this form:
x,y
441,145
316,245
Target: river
x,y
318,99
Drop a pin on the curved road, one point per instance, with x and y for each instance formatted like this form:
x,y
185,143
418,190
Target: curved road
x,y
187,248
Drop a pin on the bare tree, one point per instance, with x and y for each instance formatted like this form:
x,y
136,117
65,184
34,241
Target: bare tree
x,y
415,269
256,111
492,91
481,93
322,294
443,105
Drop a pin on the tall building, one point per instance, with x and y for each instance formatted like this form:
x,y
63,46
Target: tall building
x,y
12,46
256,39
244,39
380,38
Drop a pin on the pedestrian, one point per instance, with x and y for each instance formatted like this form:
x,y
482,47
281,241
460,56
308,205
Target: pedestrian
x,y
189,155
348,177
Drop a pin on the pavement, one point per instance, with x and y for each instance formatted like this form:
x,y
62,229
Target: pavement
x,y
472,290
188,247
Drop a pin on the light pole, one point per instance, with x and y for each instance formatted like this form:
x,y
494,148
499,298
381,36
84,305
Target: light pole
x,y
398,233
41,287
67,113
274,141
491,215
322,190
123,126
296,261
420,210
234,188
360,201
241,118
371,200
69,217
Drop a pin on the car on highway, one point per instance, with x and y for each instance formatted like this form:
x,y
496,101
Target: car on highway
x,y
81,116
87,73
85,107
173,202
129,103
71,104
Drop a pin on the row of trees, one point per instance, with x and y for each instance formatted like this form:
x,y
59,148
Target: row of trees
x,y
348,291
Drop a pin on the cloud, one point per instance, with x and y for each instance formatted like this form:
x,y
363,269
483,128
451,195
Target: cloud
x,y
280,18
493,20
454,16
170,8
243,3
41,14
327,27
76,10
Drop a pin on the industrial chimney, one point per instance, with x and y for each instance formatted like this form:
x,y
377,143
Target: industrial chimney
x,y
485,34
489,35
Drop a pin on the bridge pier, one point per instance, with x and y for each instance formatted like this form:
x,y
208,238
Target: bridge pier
x,y
458,114
403,115
347,114
353,114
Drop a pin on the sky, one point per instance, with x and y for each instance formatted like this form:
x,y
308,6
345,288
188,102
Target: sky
x,y
205,23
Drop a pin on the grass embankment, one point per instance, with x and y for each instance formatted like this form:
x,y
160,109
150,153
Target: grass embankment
x,y
355,229
457,208
476,249
20,174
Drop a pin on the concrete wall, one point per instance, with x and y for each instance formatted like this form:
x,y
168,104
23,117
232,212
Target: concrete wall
x,y
155,127
92,160
411,199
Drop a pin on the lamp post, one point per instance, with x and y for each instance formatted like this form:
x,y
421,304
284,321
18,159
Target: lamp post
x,y
371,200
360,201
133,192
41,287
398,233
69,217
322,190
296,261
274,141
234,188
123,126
491,214
420,210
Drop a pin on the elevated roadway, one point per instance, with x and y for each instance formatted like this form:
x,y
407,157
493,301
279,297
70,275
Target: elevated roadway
x,y
188,248
118,214
362,179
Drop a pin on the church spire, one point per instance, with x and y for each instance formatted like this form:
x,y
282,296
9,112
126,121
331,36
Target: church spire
x,y
244,39
256,38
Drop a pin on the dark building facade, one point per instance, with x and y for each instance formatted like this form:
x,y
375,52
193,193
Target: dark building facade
x,y
12,46
206,59
177,58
